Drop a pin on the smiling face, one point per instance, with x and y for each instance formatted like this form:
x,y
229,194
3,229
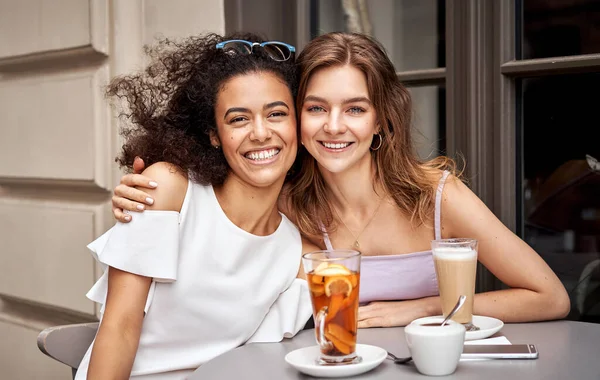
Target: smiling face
x,y
256,128
338,119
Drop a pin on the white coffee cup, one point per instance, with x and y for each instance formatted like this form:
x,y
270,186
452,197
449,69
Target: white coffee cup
x,y
435,350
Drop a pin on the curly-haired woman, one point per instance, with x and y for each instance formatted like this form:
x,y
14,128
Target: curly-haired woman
x,y
362,186
215,121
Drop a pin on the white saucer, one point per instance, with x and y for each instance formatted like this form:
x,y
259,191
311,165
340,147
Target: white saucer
x,y
304,360
488,326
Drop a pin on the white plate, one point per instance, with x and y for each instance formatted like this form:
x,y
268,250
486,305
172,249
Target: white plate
x,y
304,360
488,326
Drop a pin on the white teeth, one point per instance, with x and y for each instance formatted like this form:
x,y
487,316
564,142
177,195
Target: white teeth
x,y
262,155
335,146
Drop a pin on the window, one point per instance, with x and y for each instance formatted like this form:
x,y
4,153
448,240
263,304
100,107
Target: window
x,y
555,28
559,147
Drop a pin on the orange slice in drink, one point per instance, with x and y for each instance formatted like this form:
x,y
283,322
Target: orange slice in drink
x,y
335,305
320,267
331,270
349,301
317,290
337,285
339,266
339,345
342,340
340,333
316,279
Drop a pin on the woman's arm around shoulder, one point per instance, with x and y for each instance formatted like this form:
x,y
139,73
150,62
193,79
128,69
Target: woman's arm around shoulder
x,y
118,337
137,191
536,292
173,186
127,197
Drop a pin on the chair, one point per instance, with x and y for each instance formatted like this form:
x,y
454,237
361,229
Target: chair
x,y
67,344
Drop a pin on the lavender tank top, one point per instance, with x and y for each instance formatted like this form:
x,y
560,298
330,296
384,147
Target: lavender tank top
x,y
400,277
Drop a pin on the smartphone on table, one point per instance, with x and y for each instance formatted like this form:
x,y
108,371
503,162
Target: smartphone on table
x,y
499,351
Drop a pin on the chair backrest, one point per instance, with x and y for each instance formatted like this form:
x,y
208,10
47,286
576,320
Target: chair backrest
x,y
69,343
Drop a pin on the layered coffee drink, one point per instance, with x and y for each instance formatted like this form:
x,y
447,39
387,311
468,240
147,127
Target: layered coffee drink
x,y
456,268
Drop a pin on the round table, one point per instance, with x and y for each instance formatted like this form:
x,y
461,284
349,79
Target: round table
x,y
568,350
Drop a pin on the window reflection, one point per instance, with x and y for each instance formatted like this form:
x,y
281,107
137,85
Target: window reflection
x,y
554,28
413,32
429,120
561,182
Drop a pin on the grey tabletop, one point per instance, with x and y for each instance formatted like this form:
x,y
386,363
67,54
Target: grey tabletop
x,y
568,350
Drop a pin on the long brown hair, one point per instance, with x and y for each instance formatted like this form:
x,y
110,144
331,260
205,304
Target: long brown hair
x,y
410,182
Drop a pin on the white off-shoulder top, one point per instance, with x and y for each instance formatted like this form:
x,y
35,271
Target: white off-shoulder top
x,y
215,286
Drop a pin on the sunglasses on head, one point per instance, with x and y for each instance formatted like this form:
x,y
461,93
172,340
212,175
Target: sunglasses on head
x,y
278,51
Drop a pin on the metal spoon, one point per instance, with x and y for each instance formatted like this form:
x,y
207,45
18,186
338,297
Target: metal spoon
x,y
459,304
398,360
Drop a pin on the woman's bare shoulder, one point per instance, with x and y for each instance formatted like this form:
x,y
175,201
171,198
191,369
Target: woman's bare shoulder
x,y
173,186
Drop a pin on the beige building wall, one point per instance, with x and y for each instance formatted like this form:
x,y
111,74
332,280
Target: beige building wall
x,y
58,140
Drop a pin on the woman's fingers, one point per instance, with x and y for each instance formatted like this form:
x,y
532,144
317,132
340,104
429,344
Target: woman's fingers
x,y
374,315
367,323
367,317
138,165
127,197
126,204
120,215
366,312
138,180
133,194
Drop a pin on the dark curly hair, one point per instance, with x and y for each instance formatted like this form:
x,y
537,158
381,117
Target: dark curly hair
x,y
169,107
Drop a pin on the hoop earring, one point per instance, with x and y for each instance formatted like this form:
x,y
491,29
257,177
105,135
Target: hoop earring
x,y
380,142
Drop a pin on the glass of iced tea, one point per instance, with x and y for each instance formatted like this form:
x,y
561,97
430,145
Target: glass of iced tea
x,y
333,278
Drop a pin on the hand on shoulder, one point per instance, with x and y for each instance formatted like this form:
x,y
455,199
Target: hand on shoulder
x,y
173,186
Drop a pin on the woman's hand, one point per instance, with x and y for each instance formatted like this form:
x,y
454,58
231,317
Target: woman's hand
x,y
397,313
128,196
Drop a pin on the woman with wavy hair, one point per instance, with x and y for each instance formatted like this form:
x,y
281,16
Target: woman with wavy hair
x,y
360,185
214,118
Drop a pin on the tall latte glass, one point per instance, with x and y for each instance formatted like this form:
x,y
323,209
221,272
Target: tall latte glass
x,y
456,267
333,279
